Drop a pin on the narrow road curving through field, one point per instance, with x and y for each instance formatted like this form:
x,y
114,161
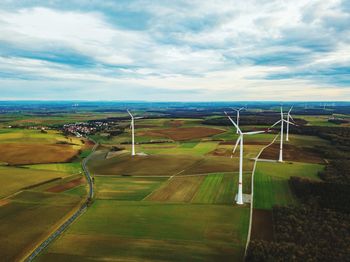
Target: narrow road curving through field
x,y
73,217
252,193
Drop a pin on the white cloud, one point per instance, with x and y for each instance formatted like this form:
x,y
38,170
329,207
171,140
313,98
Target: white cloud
x,y
215,57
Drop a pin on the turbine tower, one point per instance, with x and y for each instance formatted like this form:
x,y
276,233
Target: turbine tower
x,y
282,121
237,118
239,199
132,126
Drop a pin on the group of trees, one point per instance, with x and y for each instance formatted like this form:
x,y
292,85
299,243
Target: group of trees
x,y
305,234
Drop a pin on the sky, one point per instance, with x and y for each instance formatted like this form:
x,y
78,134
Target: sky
x,y
170,50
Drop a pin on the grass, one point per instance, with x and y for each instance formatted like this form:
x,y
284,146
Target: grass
x,y
271,182
217,188
286,170
186,148
125,188
85,153
27,146
153,165
73,168
178,189
154,231
27,218
13,179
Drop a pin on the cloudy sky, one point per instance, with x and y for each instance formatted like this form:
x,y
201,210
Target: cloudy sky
x,y
175,50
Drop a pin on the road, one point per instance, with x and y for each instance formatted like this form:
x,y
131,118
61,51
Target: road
x,y
252,193
72,218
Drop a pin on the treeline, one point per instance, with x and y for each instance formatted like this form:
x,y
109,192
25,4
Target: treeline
x,y
335,196
339,136
248,120
305,234
337,171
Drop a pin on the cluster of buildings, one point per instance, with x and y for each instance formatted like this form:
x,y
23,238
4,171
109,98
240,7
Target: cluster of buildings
x,y
82,128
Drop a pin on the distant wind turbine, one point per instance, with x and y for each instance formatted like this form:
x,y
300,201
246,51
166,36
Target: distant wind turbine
x,y
132,126
282,121
237,118
239,199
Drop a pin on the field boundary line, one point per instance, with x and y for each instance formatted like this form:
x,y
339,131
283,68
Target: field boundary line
x,y
167,181
252,194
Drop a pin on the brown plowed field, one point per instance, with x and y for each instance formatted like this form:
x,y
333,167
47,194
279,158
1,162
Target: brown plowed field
x,y
180,134
152,165
262,227
292,153
178,189
71,184
23,154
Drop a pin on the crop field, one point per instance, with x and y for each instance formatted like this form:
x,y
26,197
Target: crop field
x,y
33,182
180,134
28,217
178,189
154,231
190,148
293,153
73,168
24,146
271,182
217,189
13,179
141,165
126,188
22,154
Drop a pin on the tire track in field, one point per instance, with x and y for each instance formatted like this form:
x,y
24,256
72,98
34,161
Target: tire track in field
x,y
252,193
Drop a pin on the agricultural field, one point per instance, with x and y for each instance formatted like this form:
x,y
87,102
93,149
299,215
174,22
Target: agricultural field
x,y
28,217
38,173
175,201
153,231
271,182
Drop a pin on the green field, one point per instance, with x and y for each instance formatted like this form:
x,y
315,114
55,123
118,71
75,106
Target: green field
x,y
217,188
125,188
73,168
271,182
28,217
13,179
153,231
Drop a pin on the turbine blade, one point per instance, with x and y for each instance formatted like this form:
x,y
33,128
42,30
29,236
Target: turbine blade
x,y
233,122
237,142
138,117
275,124
289,122
290,109
129,113
291,118
253,132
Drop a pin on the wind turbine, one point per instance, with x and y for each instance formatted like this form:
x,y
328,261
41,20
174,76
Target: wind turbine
x,y
239,199
238,110
282,121
132,126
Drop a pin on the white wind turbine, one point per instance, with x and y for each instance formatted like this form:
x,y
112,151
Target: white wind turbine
x,y
239,199
282,121
132,126
237,118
